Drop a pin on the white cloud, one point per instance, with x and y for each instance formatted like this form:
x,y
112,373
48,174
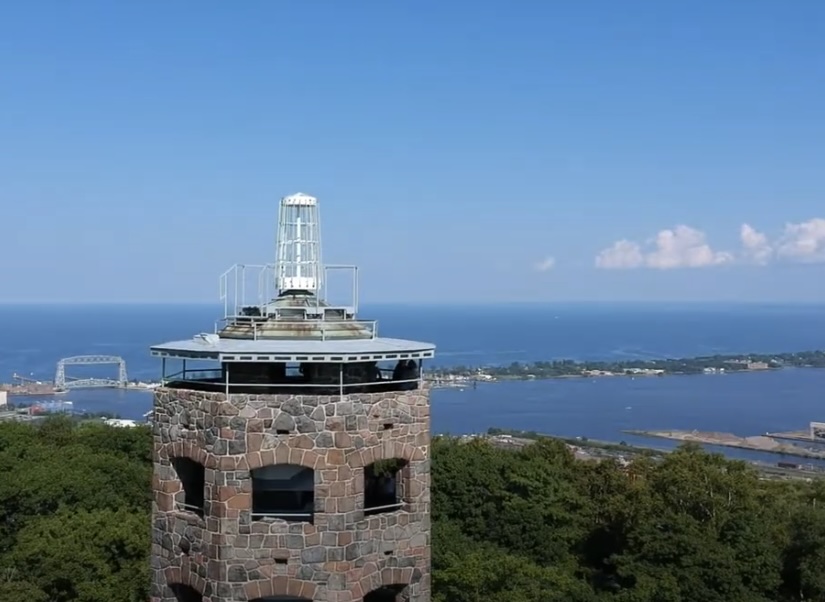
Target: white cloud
x,y
623,254
681,247
548,263
755,245
686,247
804,242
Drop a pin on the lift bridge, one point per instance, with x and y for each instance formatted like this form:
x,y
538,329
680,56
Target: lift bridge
x,y
62,382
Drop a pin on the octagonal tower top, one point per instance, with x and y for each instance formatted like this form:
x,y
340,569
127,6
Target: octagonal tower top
x,y
282,311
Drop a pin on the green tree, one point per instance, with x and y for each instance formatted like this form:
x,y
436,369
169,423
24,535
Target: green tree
x,y
86,556
701,534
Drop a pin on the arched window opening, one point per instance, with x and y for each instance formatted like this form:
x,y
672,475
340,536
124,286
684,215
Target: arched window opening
x,y
185,593
284,491
384,486
388,593
192,477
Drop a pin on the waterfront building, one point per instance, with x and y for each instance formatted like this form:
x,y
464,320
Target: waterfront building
x,y
291,445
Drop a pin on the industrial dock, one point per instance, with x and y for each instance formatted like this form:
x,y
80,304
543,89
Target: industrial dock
x,y
593,450
761,443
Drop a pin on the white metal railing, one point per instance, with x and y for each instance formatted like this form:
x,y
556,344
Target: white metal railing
x,y
181,375
385,507
217,377
282,515
293,385
233,284
190,507
327,328
368,511
255,285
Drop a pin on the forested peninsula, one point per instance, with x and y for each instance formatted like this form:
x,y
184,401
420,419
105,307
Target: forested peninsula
x,y
717,364
526,525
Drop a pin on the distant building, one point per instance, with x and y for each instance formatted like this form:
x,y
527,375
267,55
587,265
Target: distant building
x,y
120,423
4,400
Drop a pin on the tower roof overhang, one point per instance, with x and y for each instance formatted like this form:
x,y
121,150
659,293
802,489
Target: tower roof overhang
x,y
212,347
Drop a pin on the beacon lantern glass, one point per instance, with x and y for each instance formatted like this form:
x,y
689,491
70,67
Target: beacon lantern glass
x,y
298,262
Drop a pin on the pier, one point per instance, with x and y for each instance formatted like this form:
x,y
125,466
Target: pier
x,y
760,443
802,436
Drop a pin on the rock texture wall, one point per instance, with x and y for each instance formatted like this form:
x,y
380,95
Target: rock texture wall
x,y
228,557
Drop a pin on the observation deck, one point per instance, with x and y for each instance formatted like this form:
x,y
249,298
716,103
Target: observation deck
x,y
280,333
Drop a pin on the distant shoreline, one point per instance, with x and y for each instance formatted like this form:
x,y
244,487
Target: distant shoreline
x,y
558,369
462,381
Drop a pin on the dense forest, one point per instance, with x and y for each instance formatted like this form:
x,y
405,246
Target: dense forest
x,y
533,525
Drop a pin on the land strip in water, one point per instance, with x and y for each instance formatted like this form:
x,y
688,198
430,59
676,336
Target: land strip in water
x,y
710,364
762,443
596,450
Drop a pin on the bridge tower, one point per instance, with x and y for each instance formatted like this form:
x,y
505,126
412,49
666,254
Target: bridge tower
x,y
291,446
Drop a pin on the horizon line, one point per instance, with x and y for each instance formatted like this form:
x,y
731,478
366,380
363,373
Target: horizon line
x,y
472,303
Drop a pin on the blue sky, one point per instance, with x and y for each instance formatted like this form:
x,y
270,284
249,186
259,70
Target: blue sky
x,y
462,151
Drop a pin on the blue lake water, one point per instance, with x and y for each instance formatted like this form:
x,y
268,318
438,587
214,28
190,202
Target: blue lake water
x,y
34,338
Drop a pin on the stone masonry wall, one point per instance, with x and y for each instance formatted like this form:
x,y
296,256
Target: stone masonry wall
x,y
228,557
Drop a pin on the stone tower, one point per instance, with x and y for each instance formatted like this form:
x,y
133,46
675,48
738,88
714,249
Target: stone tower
x,y
291,446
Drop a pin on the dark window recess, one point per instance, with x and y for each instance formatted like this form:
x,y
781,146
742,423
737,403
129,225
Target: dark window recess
x,y
280,561
284,491
383,484
388,426
384,594
192,477
281,431
185,593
